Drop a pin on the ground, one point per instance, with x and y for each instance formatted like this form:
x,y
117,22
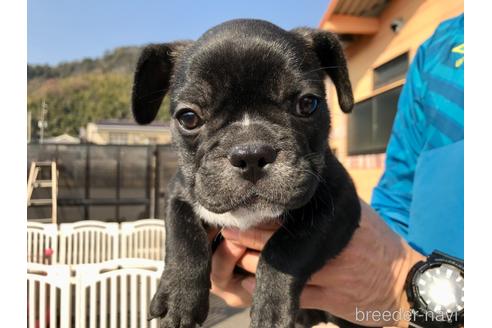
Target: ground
x,y
221,316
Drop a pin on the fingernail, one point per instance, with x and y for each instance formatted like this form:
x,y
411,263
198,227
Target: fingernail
x,y
231,234
249,284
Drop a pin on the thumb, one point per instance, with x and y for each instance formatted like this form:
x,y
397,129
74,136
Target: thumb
x,y
251,238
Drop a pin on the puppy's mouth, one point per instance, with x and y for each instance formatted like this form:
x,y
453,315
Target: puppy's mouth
x,y
242,217
252,210
219,190
251,201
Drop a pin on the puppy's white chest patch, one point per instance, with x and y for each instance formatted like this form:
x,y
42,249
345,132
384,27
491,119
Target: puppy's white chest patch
x,y
241,218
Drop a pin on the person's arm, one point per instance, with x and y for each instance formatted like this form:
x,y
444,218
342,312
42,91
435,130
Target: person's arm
x,y
360,285
392,197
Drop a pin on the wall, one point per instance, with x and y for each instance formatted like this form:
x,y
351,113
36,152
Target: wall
x,y
421,18
100,135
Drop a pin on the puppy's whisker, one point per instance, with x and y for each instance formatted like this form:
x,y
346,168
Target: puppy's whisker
x,y
313,155
282,226
330,196
323,185
314,174
321,68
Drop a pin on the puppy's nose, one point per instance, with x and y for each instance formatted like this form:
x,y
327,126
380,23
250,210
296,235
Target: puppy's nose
x,y
251,159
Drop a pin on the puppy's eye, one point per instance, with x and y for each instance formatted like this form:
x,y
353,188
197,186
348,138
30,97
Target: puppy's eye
x,y
189,119
307,105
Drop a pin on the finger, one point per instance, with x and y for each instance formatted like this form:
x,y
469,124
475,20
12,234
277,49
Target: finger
x,y
224,260
234,295
212,233
251,238
249,261
249,284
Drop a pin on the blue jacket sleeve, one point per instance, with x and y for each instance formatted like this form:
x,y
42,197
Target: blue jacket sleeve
x,y
393,195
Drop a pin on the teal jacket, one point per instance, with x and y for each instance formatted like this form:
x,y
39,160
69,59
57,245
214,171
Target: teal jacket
x,y
420,194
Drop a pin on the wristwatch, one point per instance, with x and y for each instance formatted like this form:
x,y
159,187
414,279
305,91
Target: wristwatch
x,y
435,291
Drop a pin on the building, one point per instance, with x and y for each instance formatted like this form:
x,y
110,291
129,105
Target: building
x,y
380,39
62,139
126,132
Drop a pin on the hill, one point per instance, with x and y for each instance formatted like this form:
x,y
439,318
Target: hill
x,y
83,91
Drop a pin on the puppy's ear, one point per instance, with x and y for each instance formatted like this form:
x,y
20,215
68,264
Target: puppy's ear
x,y
152,78
330,55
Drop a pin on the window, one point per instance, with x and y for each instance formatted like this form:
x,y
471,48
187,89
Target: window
x,y
153,140
370,124
118,138
392,71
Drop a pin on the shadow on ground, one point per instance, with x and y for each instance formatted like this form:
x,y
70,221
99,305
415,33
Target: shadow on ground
x,y
223,316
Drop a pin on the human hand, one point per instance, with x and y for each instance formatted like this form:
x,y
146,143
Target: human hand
x,y
366,278
225,283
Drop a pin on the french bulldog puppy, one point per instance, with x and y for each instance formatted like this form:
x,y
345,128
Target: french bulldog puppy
x,y
251,123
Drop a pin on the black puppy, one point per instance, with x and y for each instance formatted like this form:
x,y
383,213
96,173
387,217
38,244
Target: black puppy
x,y
250,121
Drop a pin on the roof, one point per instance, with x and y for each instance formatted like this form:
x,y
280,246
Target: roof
x,y
353,17
129,123
126,125
363,8
63,138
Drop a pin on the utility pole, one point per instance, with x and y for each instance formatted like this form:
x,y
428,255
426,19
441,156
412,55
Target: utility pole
x,y
29,118
42,124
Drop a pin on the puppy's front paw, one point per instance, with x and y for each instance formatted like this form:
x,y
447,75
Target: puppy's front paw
x,y
178,320
271,315
179,310
158,305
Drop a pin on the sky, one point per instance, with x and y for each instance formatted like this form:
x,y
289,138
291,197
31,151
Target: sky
x,y
64,30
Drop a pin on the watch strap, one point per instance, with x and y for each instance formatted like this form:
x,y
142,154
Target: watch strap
x,y
421,318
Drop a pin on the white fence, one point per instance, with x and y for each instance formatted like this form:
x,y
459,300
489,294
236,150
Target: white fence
x,y
48,296
116,294
143,239
92,274
86,242
42,242
107,295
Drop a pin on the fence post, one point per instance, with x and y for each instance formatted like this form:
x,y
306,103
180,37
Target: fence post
x,y
157,182
87,181
118,181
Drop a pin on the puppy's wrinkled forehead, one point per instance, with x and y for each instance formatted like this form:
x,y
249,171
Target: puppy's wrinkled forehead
x,y
245,66
241,61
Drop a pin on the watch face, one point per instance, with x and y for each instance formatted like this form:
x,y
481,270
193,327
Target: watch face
x,y
441,288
